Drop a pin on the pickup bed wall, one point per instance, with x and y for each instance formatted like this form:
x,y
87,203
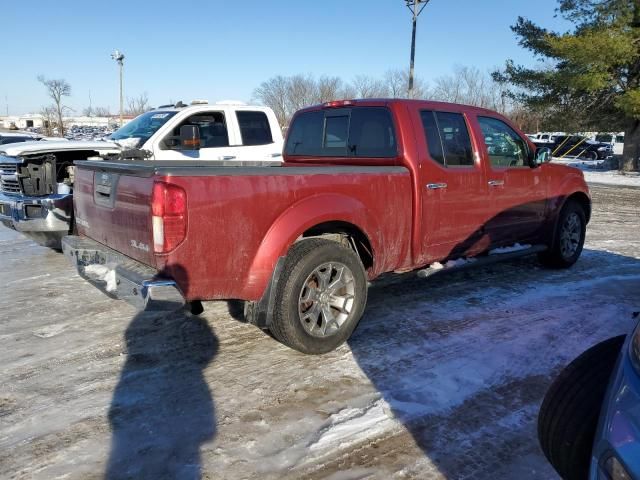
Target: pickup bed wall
x,y
241,220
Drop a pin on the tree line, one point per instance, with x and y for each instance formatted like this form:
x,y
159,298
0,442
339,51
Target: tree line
x,y
469,85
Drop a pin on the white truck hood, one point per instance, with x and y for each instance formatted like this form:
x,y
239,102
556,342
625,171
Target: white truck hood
x,y
17,149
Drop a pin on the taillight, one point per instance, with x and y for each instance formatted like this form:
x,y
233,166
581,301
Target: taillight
x,y
169,216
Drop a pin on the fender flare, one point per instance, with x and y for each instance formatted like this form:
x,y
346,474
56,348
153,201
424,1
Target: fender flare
x,y
296,220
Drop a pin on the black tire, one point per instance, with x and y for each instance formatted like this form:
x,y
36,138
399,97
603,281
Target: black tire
x,y
589,155
556,256
195,307
302,261
569,414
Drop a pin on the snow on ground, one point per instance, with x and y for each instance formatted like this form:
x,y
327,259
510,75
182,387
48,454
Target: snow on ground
x,y
516,247
593,173
442,379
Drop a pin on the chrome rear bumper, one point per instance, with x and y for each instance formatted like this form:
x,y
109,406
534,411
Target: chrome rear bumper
x,y
121,277
45,219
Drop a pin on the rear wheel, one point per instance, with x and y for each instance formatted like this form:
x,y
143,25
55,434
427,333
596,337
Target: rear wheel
x,y
569,414
589,155
320,298
568,240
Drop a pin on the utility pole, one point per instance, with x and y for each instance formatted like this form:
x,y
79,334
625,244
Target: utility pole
x,y
416,7
119,58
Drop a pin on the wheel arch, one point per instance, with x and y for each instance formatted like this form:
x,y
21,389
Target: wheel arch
x,y
334,216
583,200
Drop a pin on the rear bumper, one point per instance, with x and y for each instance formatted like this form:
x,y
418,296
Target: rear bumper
x,y
45,219
121,277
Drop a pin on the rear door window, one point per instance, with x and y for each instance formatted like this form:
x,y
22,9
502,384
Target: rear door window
x,y
448,138
254,128
348,132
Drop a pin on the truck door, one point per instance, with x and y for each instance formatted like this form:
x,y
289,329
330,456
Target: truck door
x,y
517,192
216,138
453,186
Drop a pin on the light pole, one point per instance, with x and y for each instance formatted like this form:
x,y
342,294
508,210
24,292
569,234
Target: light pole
x,y
118,56
416,7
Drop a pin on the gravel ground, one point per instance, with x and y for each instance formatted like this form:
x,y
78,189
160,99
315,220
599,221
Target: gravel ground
x,y
442,379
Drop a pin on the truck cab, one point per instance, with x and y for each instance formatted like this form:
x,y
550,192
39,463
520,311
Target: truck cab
x,y
228,131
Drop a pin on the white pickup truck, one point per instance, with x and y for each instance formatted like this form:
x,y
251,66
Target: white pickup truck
x,y
36,178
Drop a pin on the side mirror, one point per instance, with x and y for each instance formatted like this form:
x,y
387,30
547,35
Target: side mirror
x,y
189,137
543,155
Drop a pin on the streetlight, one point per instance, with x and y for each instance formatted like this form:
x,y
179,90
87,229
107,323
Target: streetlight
x,y
416,7
118,56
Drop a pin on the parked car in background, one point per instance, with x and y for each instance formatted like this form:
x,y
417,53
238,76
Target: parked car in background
x,y
616,140
37,178
544,137
17,137
589,421
367,187
578,146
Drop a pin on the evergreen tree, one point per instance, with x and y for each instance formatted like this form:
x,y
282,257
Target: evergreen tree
x,y
590,78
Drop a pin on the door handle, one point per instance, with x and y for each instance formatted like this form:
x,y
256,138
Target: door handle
x,y
435,186
228,157
496,183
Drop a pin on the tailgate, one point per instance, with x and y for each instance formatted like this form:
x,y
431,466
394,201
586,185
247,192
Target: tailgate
x,y
113,207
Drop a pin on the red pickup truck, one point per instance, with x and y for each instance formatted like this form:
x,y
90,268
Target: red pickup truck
x,y
366,187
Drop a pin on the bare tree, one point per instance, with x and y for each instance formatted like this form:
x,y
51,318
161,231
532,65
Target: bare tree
x,y
302,92
397,84
471,86
88,111
369,87
138,105
57,89
102,112
48,119
273,93
329,88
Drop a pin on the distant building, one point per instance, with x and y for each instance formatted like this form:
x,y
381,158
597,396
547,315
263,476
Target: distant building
x,y
36,120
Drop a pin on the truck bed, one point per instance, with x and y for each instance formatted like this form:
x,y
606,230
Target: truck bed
x,y
239,216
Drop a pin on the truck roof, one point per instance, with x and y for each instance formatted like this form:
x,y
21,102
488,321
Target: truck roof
x,y
396,101
179,107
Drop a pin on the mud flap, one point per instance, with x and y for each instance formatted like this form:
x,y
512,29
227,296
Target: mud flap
x,y
259,313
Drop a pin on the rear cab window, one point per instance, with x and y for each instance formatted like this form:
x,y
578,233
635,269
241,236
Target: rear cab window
x,y
254,128
343,132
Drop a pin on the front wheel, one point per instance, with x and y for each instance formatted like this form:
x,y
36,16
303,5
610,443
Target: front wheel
x,y
320,297
568,240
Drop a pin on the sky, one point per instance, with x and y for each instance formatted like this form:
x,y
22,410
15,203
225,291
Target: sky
x,y
221,50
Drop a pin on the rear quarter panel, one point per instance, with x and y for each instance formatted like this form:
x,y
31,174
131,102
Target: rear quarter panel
x,y
241,223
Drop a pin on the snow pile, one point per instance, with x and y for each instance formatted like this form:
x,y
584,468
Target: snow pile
x,y
458,262
351,425
516,247
102,273
613,177
592,174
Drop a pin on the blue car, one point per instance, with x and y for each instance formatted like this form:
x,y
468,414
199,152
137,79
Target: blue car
x,y
589,421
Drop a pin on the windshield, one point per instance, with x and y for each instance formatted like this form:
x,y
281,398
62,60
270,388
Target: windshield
x,y
143,126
